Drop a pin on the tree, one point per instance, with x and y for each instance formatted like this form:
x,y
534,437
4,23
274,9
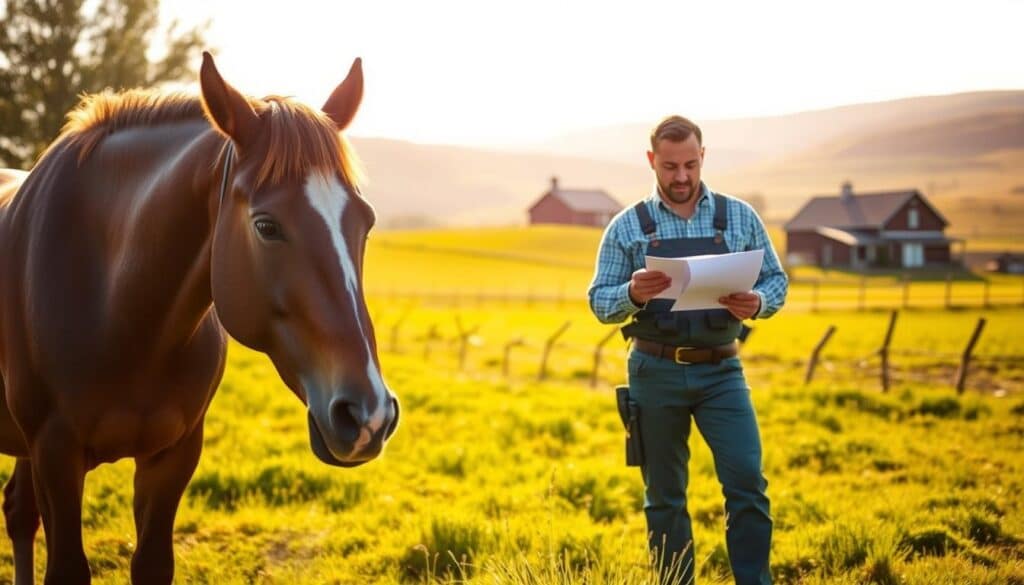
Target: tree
x,y
52,51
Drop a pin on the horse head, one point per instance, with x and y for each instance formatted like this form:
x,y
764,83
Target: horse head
x,y
287,259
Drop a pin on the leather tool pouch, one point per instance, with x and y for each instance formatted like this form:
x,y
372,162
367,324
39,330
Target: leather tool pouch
x,y
629,412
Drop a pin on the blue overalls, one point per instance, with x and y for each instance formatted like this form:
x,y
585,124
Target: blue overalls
x,y
717,398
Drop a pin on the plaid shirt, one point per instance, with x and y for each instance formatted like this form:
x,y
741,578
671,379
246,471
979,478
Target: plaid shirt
x,y
624,245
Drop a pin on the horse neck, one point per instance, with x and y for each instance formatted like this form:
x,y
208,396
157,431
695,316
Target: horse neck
x,y
161,264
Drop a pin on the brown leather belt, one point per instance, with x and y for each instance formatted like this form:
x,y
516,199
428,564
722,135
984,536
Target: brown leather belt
x,y
687,355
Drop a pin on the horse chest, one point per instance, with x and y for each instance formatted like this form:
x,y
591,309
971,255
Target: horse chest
x,y
125,432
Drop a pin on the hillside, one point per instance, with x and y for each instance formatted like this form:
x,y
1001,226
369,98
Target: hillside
x,y
745,141
964,151
968,136
412,184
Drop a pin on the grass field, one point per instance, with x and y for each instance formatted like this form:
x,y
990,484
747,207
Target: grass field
x,y
522,481
556,263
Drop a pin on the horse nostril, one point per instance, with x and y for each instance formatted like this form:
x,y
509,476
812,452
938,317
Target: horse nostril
x,y
345,420
394,421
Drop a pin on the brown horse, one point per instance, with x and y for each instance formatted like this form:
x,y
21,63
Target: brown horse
x,y
144,232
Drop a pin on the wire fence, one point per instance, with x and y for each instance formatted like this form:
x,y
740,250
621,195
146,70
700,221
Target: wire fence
x,y
546,355
804,295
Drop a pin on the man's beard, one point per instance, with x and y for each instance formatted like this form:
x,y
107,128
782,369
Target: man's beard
x,y
675,197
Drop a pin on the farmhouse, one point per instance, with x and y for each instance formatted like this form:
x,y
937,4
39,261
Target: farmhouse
x,y
1006,262
592,207
891,229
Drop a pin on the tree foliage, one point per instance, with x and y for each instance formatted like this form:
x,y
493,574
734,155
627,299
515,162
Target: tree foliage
x,y
52,51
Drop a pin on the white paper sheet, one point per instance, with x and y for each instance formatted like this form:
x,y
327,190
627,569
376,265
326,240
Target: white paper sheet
x,y
699,281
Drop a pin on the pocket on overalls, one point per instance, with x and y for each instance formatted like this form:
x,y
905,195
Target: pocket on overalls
x,y
636,364
719,319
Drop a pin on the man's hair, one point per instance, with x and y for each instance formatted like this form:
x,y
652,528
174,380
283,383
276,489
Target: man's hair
x,y
676,129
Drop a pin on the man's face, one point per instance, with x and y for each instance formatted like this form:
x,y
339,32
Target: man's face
x,y
677,168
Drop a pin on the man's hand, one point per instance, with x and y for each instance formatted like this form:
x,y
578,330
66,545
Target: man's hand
x,y
742,305
646,284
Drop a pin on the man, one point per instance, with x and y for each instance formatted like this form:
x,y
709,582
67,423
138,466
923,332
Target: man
x,y
684,365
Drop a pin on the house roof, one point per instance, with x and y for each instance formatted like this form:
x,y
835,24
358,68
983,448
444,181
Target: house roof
x,y
587,200
859,210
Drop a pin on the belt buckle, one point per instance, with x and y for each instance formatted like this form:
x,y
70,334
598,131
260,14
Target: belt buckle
x,y
680,361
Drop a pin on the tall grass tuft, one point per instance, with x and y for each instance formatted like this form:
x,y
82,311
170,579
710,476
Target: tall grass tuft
x,y
447,550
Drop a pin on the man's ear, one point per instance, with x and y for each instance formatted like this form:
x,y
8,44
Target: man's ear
x,y
650,158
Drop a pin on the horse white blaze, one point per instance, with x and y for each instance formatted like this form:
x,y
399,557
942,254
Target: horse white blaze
x,y
329,197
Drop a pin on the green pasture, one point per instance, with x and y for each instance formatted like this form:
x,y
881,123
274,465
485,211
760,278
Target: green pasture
x,y
498,477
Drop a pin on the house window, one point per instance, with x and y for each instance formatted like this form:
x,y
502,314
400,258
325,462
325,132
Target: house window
x,y
912,219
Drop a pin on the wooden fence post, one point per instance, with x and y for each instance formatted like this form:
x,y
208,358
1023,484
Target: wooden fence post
x,y
813,362
906,290
949,290
863,293
961,372
884,351
597,355
543,373
518,341
394,331
464,336
430,336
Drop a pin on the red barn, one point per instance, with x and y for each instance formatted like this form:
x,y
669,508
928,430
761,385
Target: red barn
x,y
591,207
893,229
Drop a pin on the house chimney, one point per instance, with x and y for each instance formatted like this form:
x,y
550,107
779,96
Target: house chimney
x,y
846,194
554,184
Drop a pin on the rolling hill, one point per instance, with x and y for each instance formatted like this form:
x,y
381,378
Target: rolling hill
x,y
741,142
964,151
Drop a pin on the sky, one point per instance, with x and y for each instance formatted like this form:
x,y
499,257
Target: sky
x,y
500,74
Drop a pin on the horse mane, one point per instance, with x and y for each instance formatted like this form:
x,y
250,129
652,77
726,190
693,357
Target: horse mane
x,y
298,140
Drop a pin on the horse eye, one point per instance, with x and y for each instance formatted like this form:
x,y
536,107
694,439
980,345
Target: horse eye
x,y
268,229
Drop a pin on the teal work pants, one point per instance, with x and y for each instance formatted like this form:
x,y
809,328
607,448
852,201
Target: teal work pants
x,y
717,398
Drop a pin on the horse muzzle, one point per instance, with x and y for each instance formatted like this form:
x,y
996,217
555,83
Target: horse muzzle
x,y
347,438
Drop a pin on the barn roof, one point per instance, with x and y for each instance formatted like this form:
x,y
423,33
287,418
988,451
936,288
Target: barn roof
x,y
585,200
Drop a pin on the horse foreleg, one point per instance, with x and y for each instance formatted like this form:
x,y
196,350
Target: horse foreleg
x,y
159,483
58,473
22,520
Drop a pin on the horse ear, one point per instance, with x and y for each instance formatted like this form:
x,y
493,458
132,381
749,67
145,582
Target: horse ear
x,y
344,101
225,107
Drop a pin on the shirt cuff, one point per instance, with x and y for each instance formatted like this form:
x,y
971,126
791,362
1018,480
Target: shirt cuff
x,y
760,309
626,304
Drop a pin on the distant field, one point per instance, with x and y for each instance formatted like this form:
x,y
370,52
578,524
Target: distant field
x,y
556,264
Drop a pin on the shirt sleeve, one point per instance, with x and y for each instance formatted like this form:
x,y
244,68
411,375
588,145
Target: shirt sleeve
x,y
772,283
609,290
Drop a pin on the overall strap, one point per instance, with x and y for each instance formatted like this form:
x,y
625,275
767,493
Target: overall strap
x,y
646,221
721,216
